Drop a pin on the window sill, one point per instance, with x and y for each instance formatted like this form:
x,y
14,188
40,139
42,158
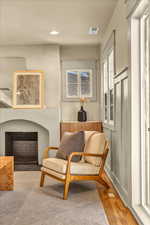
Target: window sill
x,y
70,99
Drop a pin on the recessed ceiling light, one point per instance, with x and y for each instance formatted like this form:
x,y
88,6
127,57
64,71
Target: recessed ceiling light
x,y
93,30
53,32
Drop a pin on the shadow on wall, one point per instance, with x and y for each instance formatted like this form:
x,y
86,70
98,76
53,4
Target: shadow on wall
x,y
8,65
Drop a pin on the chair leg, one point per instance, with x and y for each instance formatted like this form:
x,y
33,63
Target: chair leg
x,y
42,179
101,181
66,189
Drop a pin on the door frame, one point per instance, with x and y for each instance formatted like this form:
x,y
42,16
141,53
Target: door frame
x,y
135,90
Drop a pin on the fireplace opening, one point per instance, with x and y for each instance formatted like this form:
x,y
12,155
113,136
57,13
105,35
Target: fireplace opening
x,y
23,146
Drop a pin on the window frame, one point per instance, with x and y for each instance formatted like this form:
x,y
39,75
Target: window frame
x,y
79,83
86,65
110,46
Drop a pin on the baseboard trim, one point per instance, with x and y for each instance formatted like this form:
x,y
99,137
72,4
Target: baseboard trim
x,y
120,191
136,216
145,219
118,187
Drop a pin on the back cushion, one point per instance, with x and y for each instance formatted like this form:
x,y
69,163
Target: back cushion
x,y
71,142
87,134
95,144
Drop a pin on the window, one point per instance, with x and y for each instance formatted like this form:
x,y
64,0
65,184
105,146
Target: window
x,y
108,75
105,68
111,85
79,79
79,83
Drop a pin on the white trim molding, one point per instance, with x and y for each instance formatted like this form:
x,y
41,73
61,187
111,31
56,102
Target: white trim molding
x,y
138,7
133,4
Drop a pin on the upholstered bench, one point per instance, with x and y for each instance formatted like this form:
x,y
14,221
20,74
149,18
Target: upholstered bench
x,y
90,167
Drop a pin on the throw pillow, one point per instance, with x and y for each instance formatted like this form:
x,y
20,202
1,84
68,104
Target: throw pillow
x,y
71,142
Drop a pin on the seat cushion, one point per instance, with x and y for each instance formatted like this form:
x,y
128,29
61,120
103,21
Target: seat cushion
x,y
60,166
71,142
95,144
53,173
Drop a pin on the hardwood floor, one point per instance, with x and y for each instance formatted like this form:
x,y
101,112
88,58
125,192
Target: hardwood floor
x,y
117,213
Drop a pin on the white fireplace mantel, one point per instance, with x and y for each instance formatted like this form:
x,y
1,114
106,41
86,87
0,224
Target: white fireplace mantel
x,y
48,118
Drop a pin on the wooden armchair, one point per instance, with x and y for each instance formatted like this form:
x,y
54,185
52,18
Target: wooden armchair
x,y
67,171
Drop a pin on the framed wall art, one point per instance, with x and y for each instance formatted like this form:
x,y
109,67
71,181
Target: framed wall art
x,y
28,89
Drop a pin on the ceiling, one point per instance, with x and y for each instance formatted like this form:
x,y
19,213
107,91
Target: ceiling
x,y
30,21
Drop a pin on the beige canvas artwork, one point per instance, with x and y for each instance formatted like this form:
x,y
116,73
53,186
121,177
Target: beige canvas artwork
x,y
28,91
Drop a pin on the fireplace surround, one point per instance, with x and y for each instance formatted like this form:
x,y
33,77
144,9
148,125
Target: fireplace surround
x,y
45,122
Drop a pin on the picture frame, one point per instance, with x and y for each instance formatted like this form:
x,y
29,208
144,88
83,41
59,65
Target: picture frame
x,y
28,89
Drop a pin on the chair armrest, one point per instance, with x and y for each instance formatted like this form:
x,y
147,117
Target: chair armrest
x,y
81,154
84,154
103,156
49,148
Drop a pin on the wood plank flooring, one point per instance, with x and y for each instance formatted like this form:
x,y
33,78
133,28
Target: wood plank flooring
x,y
6,173
117,213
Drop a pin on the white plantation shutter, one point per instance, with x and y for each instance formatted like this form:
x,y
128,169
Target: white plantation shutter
x,y
86,83
72,84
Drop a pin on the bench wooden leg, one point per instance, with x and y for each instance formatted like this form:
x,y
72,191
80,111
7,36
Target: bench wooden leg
x,y
101,181
42,179
66,189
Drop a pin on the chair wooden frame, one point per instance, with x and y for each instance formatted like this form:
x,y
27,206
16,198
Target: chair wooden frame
x,y
71,177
